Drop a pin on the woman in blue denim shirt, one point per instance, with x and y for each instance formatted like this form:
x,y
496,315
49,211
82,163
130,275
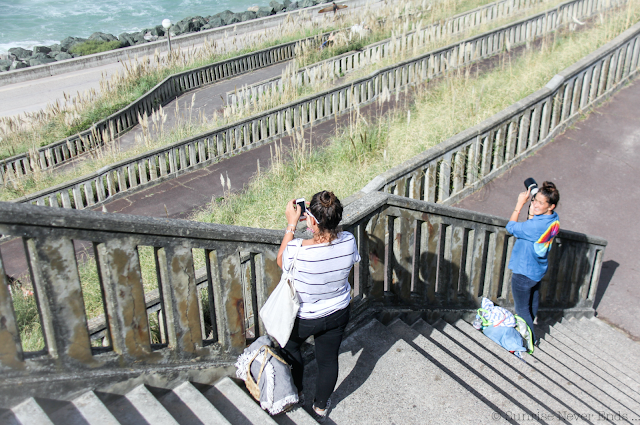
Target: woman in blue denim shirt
x,y
534,239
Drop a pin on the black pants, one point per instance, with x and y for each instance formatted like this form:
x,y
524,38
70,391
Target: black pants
x,y
327,333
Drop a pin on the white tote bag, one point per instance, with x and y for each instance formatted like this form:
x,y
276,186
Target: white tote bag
x,y
279,312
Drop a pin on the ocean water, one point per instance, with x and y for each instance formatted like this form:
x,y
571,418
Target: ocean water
x,y
28,23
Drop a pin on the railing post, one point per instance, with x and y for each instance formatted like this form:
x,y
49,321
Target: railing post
x,y
56,282
126,312
180,297
11,356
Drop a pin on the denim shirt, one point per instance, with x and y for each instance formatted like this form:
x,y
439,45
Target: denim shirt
x,y
534,240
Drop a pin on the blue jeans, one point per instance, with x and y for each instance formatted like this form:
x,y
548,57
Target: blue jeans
x,y
526,297
327,334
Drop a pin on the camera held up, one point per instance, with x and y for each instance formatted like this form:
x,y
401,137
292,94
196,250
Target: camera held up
x,y
531,183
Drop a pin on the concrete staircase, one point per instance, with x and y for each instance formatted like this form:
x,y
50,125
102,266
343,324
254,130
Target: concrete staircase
x,y
583,372
225,402
446,372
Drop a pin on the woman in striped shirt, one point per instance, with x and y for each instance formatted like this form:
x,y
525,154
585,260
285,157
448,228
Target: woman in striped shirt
x,y
321,279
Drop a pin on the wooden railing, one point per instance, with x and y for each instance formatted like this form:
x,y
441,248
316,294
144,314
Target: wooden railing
x,y
189,154
415,255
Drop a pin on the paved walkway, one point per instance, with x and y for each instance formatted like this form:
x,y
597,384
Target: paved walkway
x,y
32,96
596,167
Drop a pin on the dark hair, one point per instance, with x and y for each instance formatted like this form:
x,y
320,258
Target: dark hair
x,y
549,191
326,207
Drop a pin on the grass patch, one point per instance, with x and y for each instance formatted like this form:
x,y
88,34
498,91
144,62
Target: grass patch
x,y
458,101
78,112
90,47
190,127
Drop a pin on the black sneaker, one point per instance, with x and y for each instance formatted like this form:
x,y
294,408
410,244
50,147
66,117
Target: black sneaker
x,y
321,415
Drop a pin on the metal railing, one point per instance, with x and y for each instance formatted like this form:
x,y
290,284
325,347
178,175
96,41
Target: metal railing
x,y
206,148
351,61
415,255
60,152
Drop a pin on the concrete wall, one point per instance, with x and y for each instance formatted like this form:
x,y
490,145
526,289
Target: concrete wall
x,y
183,41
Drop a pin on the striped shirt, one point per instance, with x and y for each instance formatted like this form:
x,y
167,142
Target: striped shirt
x,y
321,276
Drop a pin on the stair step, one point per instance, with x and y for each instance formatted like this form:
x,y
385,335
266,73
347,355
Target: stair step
x,y
599,351
479,386
525,383
624,346
547,375
551,347
297,416
149,407
565,340
600,393
86,409
604,339
8,418
197,404
93,410
383,377
187,405
29,412
237,406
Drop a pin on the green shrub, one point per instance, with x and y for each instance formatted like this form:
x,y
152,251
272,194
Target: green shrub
x,y
94,46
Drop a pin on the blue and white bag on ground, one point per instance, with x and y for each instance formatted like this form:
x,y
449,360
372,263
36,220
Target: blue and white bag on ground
x,y
503,327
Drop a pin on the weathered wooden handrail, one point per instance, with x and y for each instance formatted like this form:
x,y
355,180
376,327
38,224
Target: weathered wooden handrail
x,y
465,162
415,255
198,151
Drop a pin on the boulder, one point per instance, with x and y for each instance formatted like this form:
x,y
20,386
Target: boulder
x,y
286,3
101,36
277,7
228,17
62,56
126,39
214,22
138,38
41,49
265,11
247,16
56,48
190,24
20,53
157,31
69,42
292,6
5,64
18,65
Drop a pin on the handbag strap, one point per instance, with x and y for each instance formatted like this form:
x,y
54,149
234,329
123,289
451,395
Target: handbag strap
x,y
295,256
268,350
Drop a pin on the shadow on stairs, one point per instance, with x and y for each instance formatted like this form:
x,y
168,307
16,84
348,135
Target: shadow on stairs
x,y
399,370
